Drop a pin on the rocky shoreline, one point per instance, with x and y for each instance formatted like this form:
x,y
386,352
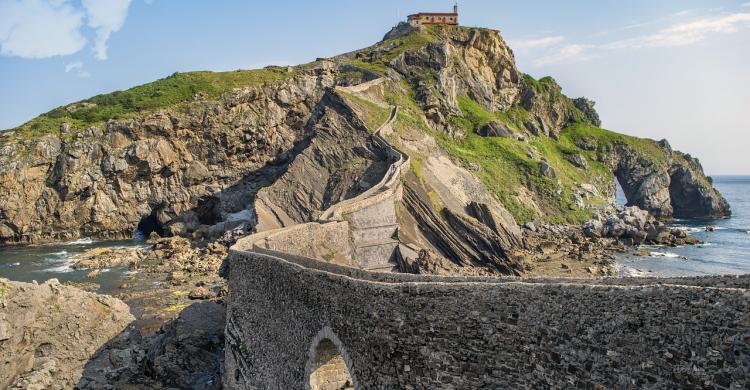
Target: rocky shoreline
x,y
276,155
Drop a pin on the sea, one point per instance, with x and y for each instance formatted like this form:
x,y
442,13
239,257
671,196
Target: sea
x,y
726,249
47,261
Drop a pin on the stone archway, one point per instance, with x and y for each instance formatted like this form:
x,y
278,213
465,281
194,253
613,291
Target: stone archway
x,y
328,364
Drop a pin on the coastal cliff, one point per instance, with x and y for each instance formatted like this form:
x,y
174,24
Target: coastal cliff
x,y
211,155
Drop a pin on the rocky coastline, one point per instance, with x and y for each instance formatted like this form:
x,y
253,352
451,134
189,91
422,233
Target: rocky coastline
x,y
279,153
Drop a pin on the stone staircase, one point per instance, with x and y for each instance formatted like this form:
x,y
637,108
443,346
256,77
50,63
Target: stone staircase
x,y
369,219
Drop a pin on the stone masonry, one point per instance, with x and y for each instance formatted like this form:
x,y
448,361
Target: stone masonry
x,y
429,332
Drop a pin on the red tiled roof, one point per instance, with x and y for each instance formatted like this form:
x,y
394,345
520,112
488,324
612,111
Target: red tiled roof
x,y
434,14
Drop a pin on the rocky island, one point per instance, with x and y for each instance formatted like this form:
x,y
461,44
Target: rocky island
x,y
333,216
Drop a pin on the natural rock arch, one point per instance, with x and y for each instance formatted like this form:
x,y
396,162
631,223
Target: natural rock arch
x,y
328,364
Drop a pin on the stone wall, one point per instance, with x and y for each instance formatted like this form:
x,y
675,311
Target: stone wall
x,y
430,332
327,241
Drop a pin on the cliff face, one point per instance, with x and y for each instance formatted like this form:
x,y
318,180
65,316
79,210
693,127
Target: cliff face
x,y
177,170
200,154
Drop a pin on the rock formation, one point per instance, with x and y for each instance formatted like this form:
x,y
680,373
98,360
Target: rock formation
x,y
49,331
279,148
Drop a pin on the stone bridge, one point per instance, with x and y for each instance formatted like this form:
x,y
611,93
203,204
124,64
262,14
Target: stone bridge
x,y
306,310
295,323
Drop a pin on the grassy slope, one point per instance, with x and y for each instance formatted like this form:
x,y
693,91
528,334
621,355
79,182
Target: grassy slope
x,y
373,114
168,92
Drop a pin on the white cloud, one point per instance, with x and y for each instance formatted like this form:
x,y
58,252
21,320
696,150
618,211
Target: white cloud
x,y
681,34
745,4
39,28
685,33
77,68
78,65
538,43
567,53
48,28
106,17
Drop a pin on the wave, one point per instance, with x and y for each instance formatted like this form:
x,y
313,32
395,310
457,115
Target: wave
x,y
57,270
633,272
80,241
665,254
56,257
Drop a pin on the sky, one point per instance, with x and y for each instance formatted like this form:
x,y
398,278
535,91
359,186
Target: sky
x,y
674,69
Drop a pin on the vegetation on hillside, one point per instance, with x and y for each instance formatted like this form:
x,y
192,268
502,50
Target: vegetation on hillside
x,y
167,92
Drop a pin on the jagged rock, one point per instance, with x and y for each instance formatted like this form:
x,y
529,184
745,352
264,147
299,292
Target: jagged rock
x,y
577,160
593,228
465,241
340,138
158,164
500,221
186,353
547,170
48,332
495,129
100,258
676,187
587,108
471,62
587,143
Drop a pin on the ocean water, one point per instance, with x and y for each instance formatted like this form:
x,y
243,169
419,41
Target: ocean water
x,y
726,249
47,261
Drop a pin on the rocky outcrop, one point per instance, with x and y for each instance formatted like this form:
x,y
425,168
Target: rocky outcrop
x,y
338,162
549,110
49,331
181,171
635,226
198,170
586,107
462,62
465,241
495,129
186,353
669,185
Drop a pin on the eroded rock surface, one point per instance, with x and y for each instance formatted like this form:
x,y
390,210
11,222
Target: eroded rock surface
x,y
49,331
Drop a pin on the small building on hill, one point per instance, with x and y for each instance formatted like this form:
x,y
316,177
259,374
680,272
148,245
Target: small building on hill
x,y
425,18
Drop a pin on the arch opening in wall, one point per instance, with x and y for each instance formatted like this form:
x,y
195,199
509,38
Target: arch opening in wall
x,y
328,364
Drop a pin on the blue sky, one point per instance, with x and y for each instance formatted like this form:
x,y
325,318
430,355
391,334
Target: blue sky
x,y
675,69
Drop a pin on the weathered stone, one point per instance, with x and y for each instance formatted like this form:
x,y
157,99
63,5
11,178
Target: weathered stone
x,y
49,331
495,129
560,319
546,170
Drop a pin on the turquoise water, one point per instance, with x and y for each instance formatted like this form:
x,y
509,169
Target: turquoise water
x,y
726,249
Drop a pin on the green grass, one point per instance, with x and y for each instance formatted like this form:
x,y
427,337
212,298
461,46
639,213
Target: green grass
x,y
606,139
373,114
506,166
540,85
392,48
170,91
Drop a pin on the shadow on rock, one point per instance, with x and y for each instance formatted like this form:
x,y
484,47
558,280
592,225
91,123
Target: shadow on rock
x,y
186,353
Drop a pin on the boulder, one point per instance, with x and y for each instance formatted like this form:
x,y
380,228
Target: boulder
x,y
578,160
546,170
49,331
201,293
495,129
